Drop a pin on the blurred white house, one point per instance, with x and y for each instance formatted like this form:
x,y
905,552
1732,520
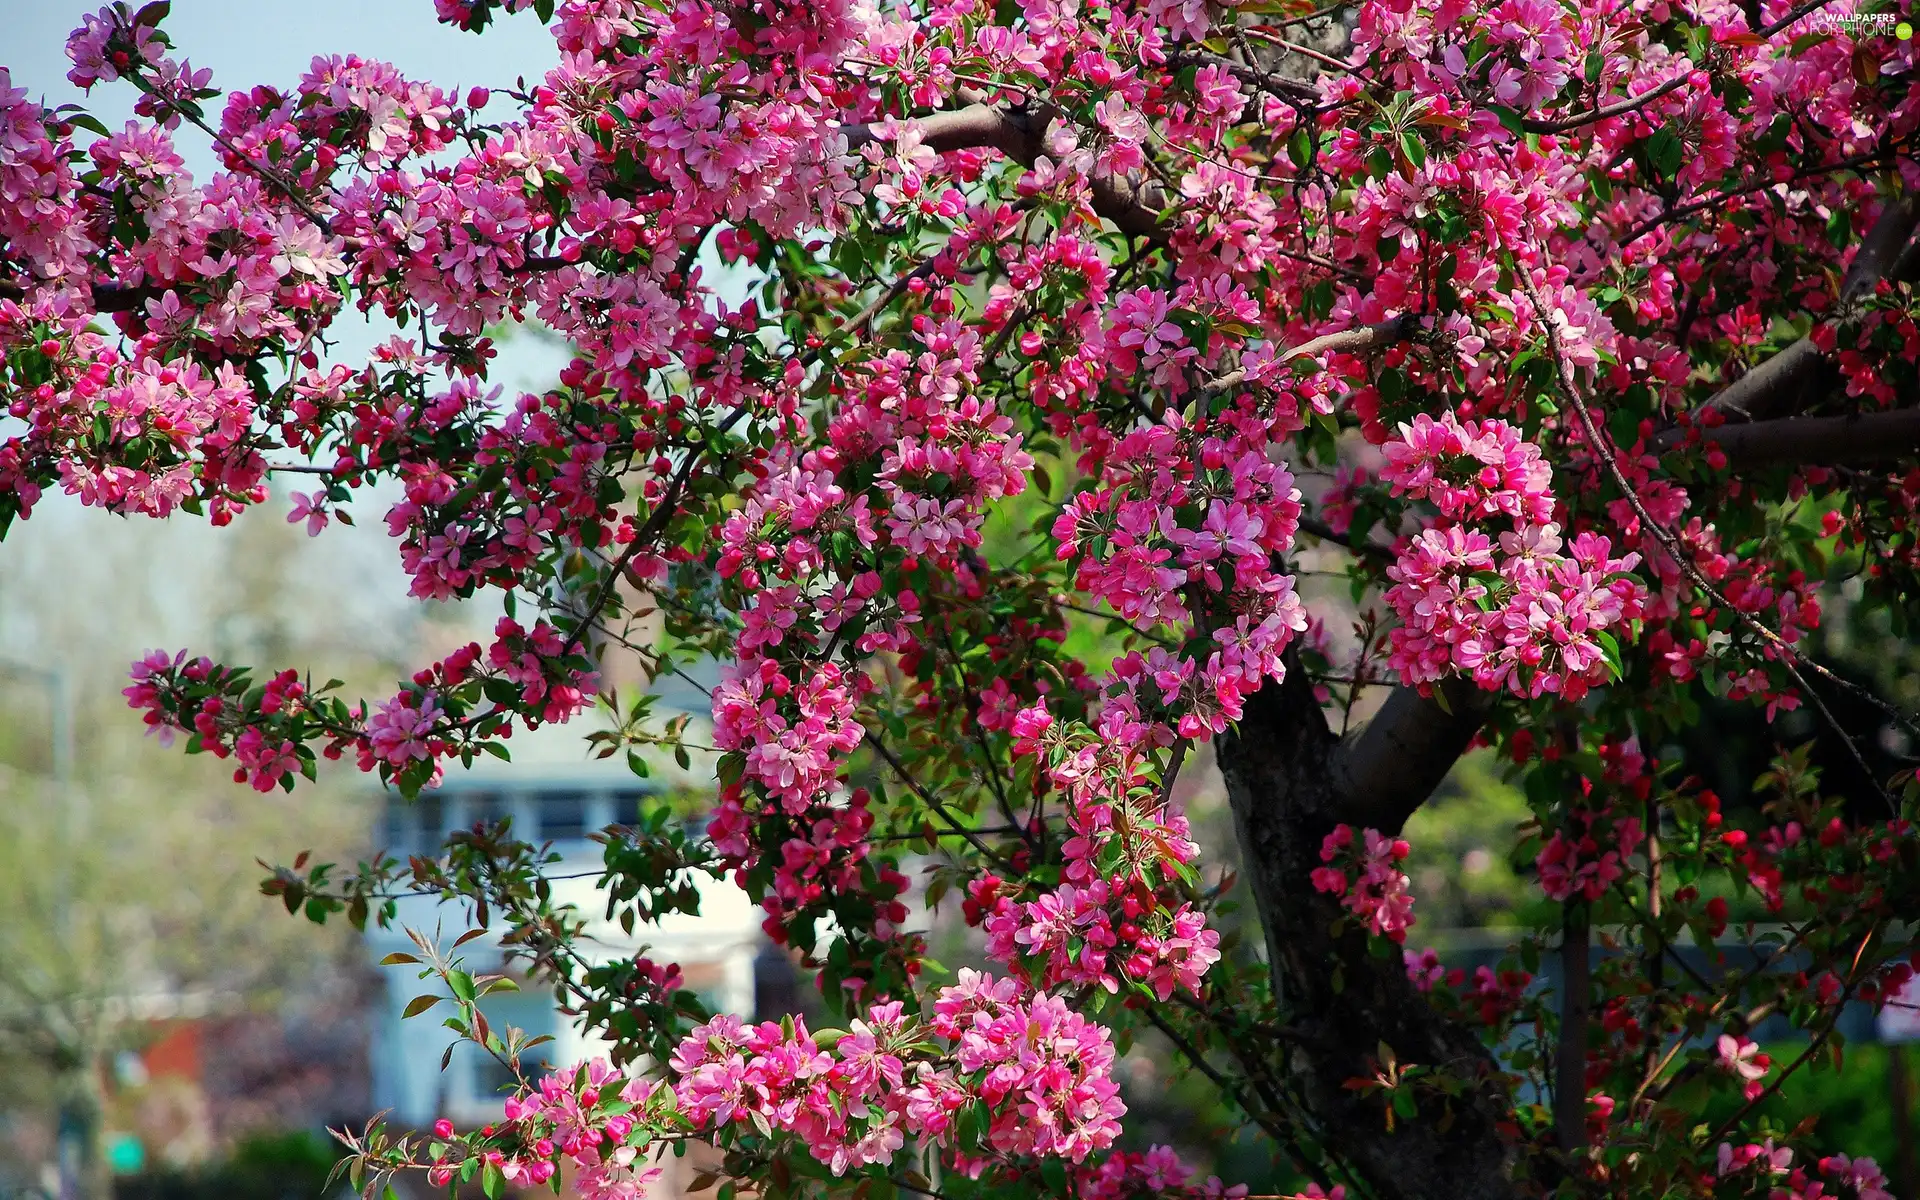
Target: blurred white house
x,y
552,794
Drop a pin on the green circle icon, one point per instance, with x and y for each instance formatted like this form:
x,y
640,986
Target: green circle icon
x,y
1903,31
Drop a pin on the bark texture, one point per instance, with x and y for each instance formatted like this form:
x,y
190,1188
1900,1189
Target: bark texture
x,y
1290,781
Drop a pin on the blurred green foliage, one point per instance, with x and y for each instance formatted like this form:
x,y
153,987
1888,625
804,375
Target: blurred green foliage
x,y
1850,1105
1462,841
287,1166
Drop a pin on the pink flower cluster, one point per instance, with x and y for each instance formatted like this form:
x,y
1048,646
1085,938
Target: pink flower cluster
x,y
268,731
1113,918
584,1116
192,423
1424,969
1044,1072
827,859
1586,863
342,105
1774,1165
1180,505
1513,613
1366,876
1158,1171
795,737
1741,1057
1080,935
1496,995
1182,512
39,219
801,552
205,700
1005,327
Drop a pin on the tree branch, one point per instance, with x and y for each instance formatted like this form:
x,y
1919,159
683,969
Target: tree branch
x,y
107,297
1292,89
1134,208
1359,547
1346,341
663,512
1815,441
1388,769
1622,108
1788,654
1570,1053
1793,378
1278,761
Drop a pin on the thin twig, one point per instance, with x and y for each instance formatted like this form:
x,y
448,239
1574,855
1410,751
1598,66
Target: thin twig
x,y
894,292
1325,60
1346,341
1686,210
1316,15
991,764
284,185
1788,21
663,512
1173,770
1790,657
926,797
1325,532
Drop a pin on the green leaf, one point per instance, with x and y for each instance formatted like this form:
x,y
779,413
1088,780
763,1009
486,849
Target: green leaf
x,y
420,1004
1300,148
1413,148
1610,648
1665,152
1514,122
91,124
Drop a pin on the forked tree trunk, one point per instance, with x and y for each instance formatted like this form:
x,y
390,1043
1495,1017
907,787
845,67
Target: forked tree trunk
x,y
1290,781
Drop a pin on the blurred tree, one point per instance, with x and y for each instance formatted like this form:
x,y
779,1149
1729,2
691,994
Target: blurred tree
x,y
107,928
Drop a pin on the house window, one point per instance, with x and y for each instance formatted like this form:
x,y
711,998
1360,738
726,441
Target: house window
x,y
626,808
414,828
428,818
485,806
492,1081
398,835
563,817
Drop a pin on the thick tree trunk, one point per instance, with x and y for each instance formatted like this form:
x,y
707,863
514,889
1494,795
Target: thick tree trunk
x,y
1290,781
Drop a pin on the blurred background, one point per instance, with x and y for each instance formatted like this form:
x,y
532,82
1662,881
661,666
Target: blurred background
x,y
167,1033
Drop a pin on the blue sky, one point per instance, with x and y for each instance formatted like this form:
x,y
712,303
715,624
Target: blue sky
x,y
64,574
248,42
272,41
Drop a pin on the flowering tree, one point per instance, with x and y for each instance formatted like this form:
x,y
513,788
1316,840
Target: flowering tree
x,y
910,336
